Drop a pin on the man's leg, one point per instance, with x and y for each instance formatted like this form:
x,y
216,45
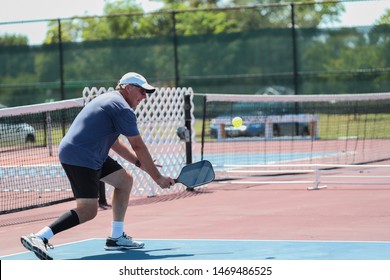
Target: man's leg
x,y
122,181
39,243
85,183
103,204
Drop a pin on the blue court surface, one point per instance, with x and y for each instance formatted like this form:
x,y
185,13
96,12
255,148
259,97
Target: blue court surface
x,y
262,158
92,249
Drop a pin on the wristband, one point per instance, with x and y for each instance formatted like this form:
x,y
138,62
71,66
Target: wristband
x,y
137,163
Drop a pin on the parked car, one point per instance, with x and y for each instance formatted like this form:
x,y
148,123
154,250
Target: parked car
x,y
254,114
249,127
14,130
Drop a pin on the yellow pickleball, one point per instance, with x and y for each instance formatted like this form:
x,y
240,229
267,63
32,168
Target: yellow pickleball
x,y
237,122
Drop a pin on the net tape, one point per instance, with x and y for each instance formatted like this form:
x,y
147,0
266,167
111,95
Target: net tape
x,y
297,98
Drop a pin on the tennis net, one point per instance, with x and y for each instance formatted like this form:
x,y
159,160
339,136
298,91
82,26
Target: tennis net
x,y
286,131
30,173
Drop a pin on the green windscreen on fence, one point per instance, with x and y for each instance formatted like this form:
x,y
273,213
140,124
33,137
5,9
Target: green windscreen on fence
x,y
260,47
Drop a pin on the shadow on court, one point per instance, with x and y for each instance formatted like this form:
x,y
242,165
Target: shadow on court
x,y
134,255
220,250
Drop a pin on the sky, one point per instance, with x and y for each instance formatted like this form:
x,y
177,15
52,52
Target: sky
x,y
357,13
15,10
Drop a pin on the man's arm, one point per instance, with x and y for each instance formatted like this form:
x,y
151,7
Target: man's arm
x,y
121,149
142,154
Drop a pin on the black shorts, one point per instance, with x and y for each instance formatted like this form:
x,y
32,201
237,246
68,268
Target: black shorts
x,y
85,181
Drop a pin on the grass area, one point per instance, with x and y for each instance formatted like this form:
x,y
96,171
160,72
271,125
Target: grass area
x,y
350,126
56,136
198,129
339,126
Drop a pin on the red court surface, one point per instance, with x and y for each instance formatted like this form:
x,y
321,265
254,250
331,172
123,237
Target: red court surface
x,y
234,211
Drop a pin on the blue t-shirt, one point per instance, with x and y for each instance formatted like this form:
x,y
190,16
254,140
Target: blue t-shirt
x,y
95,129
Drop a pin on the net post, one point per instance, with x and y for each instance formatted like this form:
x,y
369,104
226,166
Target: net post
x,y
317,181
203,126
49,133
188,120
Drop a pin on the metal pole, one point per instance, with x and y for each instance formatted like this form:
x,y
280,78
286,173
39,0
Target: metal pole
x,y
295,62
61,60
188,120
61,67
203,126
175,55
294,47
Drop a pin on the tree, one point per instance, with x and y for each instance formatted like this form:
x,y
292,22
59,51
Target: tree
x,y
133,22
385,18
13,40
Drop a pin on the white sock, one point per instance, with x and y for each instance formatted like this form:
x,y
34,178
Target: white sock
x,y
117,229
46,232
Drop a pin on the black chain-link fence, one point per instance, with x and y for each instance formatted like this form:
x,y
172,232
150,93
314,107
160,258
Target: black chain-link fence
x,y
244,50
